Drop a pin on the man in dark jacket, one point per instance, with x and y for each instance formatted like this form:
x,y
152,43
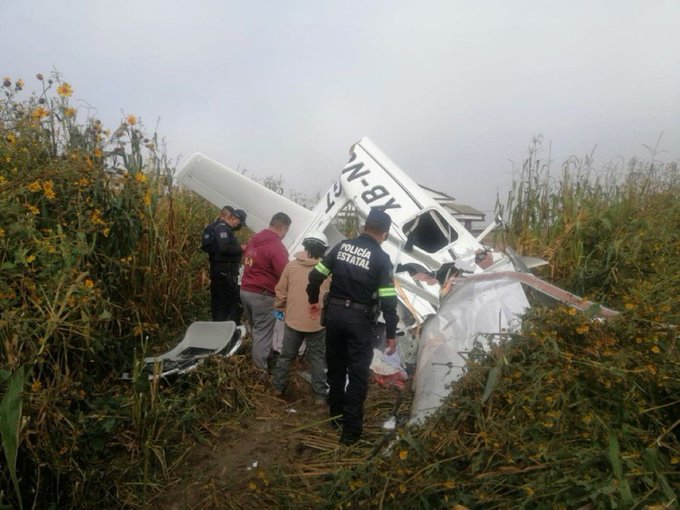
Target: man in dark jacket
x,y
224,252
362,278
264,259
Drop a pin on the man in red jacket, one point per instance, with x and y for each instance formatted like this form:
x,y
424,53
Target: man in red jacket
x,y
264,259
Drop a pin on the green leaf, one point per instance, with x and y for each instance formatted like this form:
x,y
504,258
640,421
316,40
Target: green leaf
x,y
7,265
615,459
491,383
10,420
614,455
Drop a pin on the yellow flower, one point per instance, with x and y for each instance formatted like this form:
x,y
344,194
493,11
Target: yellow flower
x,y
34,186
39,113
572,311
584,328
96,217
2,179
65,90
30,258
48,190
629,306
32,209
36,386
655,349
97,153
11,138
131,119
19,84
147,197
106,232
140,177
252,486
403,454
2,232
69,112
88,283
83,182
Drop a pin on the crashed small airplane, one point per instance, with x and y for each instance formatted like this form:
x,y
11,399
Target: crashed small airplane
x,y
453,290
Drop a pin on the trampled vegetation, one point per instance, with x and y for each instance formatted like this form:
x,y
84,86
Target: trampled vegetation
x,y
98,265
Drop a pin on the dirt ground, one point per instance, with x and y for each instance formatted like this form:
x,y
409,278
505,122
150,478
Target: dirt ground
x,y
290,435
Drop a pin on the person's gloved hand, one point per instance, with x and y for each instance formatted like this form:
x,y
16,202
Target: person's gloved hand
x,y
279,315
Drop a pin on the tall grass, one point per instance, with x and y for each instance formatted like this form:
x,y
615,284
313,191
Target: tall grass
x,y
611,234
99,263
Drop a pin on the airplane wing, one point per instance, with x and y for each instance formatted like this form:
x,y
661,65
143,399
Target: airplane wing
x,y
222,186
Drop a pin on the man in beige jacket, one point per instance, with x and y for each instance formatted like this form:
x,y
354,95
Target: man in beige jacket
x,y
291,306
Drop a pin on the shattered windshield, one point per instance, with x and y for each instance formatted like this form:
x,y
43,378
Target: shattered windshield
x,y
429,231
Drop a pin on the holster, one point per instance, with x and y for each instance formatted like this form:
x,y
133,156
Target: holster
x,y
374,312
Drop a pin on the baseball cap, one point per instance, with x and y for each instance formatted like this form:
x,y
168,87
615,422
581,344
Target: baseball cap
x,y
241,215
380,219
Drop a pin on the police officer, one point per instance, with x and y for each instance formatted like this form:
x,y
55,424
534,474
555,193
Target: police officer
x,y
224,251
362,277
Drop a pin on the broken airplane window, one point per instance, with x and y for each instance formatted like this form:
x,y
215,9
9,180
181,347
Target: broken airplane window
x,y
429,231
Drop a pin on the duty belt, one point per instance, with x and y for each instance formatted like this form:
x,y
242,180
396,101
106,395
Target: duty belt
x,y
348,304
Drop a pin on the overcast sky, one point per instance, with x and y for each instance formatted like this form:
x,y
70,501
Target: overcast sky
x,y
452,91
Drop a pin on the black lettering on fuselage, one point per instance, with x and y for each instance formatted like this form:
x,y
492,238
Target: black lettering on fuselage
x,y
355,171
391,204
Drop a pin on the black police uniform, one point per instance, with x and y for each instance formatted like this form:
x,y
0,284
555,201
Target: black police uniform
x,y
225,256
362,273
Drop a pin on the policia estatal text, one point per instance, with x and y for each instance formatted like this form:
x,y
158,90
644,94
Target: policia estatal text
x,y
362,277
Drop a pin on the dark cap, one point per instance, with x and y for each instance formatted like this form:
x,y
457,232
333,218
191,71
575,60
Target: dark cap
x,y
379,219
241,215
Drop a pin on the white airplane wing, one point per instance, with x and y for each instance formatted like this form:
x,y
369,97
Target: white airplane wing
x,y
222,186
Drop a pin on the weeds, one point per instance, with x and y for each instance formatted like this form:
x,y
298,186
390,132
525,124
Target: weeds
x,y
98,253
